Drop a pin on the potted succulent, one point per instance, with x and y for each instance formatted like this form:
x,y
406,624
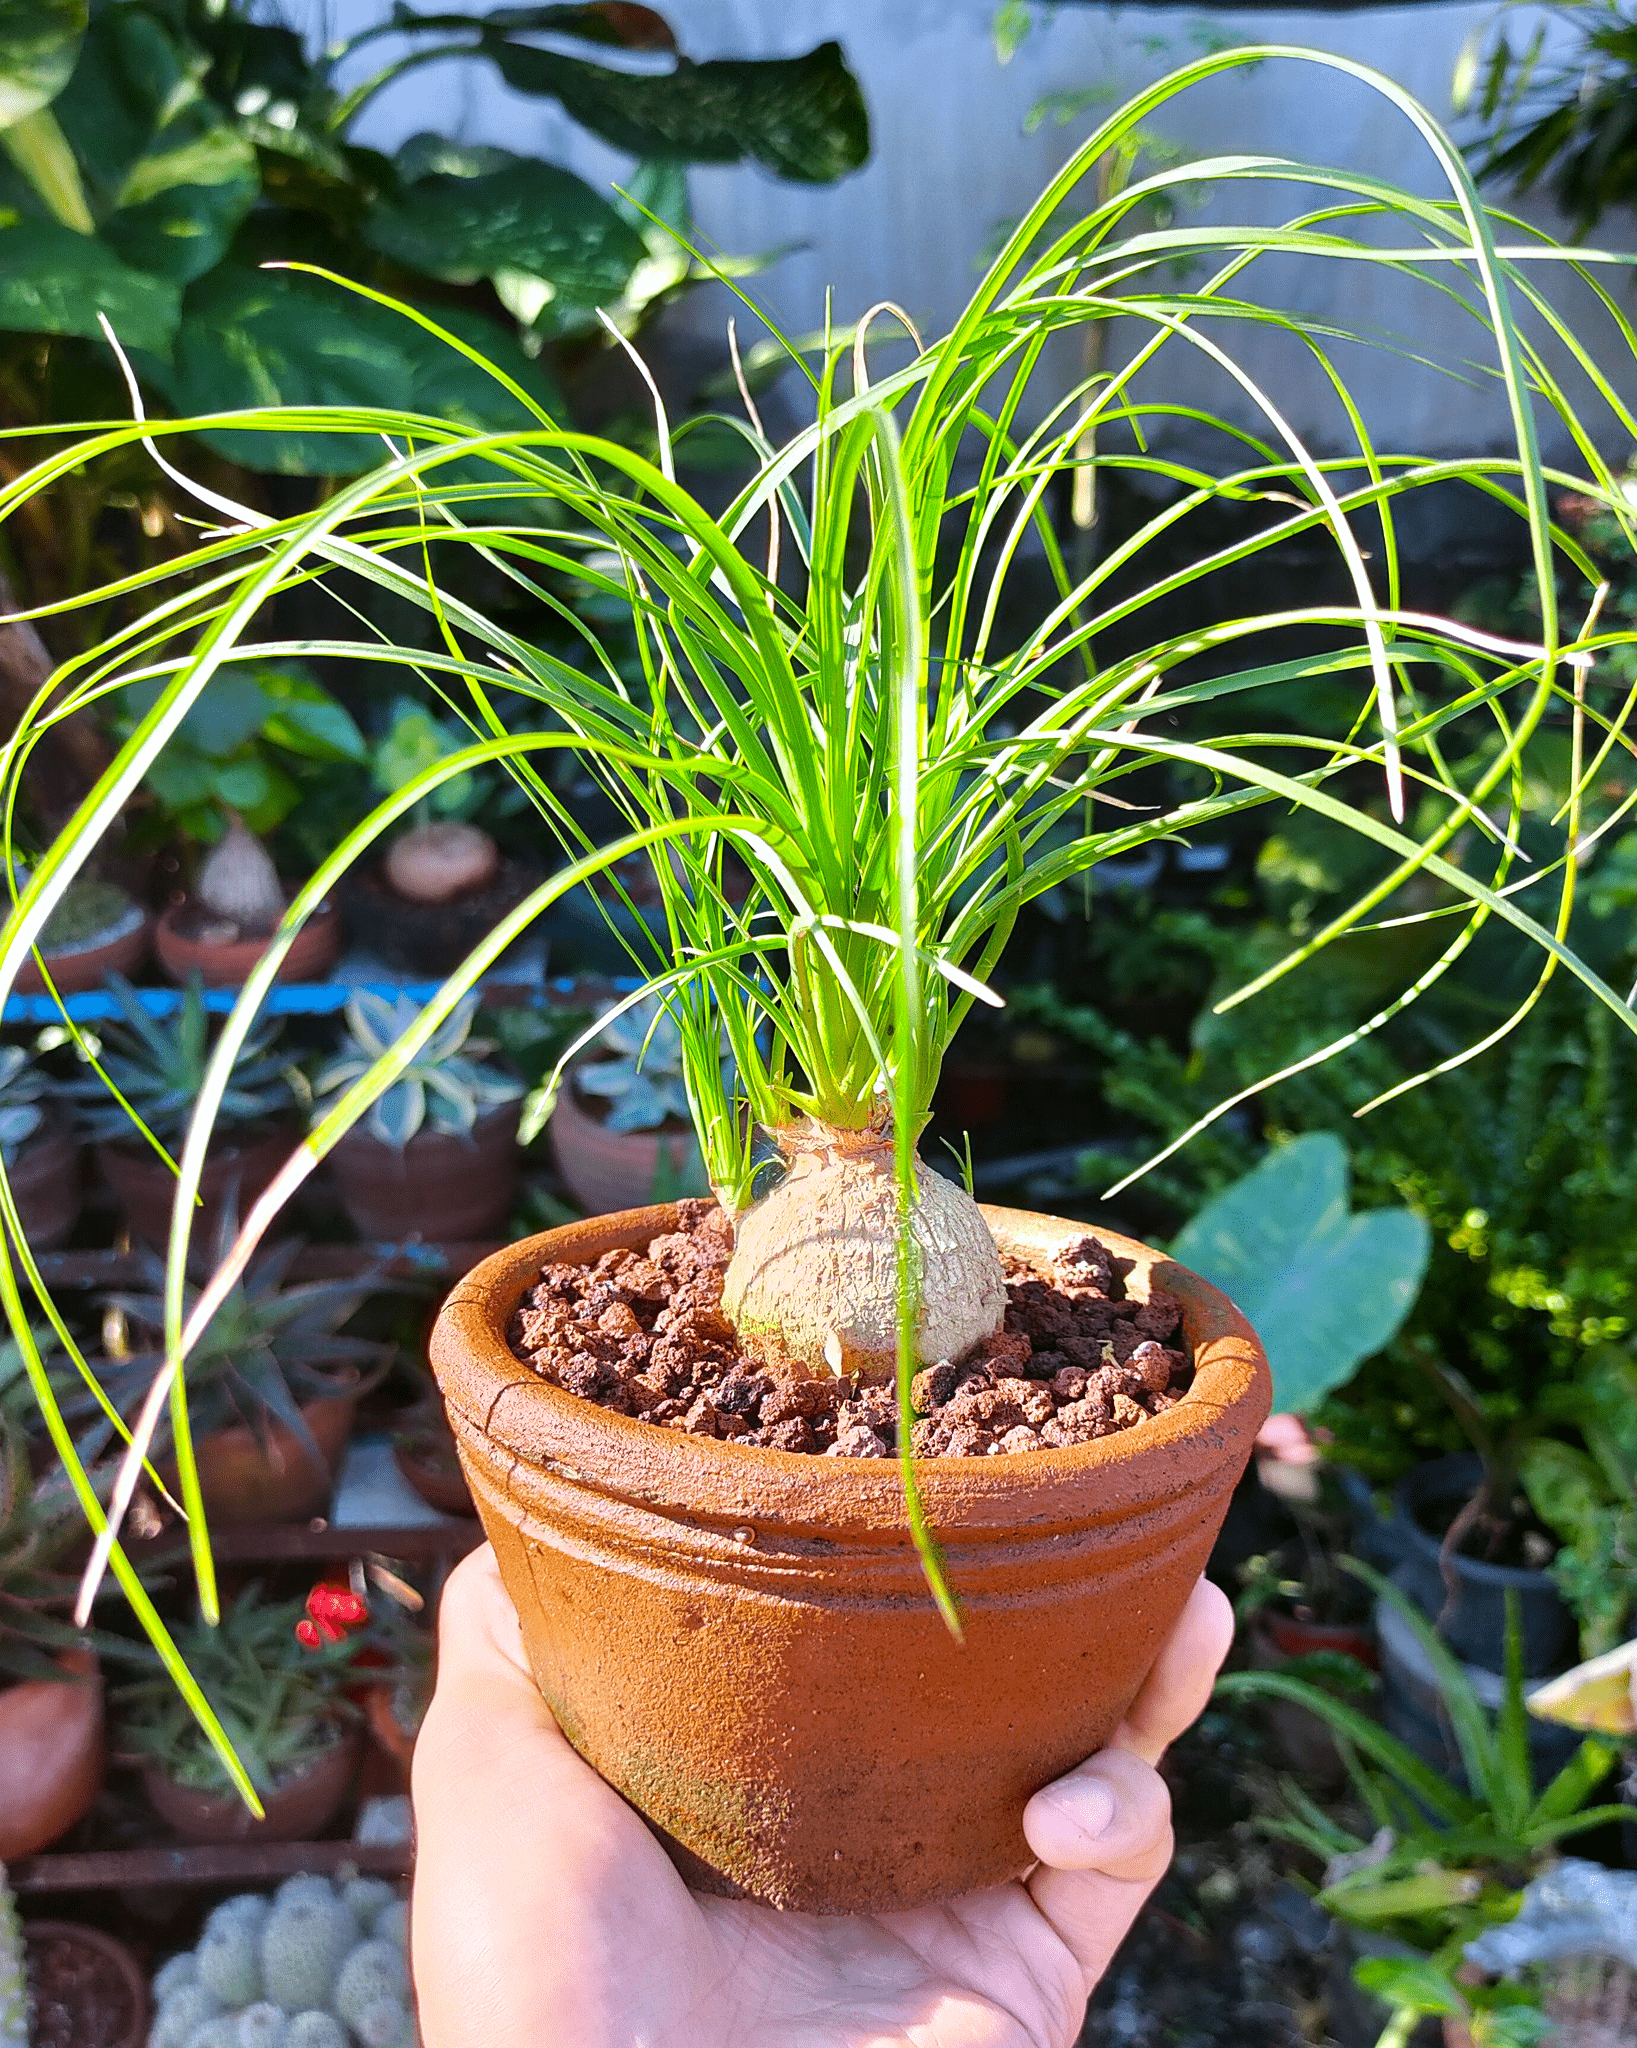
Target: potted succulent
x,y
436,1158
158,1060
284,1704
41,1158
424,1452
803,1436
222,782
273,1383
51,1695
621,1129
63,1985
96,930
442,883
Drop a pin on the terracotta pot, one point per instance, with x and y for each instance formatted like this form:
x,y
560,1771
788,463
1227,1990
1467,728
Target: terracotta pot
x,y
273,1476
1291,1636
441,1189
145,1187
741,1641
88,967
310,958
45,1184
52,1754
610,1171
298,1810
89,1990
435,1473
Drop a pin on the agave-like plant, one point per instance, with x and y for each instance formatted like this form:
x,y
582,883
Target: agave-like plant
x,y
445,1088
834,685
641,1078
22,1090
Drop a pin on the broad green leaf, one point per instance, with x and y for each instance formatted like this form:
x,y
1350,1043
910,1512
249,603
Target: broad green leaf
x,y
801,117
1565,1489
303,717
39,41
1322,1287
39,151
1409,1980
54,281
518,215
169,177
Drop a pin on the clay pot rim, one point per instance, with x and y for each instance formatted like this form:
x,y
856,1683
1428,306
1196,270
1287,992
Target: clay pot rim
x,y
132,919
478,1375
117,1952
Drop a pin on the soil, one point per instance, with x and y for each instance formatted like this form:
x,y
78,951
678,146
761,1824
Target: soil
x,y
1521,1541
80,1998
199,926
644,1334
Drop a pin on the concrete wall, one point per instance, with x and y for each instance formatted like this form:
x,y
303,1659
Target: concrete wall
x,y
952,162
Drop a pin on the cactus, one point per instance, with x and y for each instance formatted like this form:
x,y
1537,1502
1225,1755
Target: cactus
x,y
303,1946
315,2030
262,2026
14,2001
320,1965
181,2016
227,1961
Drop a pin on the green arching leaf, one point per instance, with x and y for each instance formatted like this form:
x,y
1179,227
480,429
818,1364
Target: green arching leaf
x,y
169,177
39,43
40,153
54,281
800,117
520,214
1322,1287
305,719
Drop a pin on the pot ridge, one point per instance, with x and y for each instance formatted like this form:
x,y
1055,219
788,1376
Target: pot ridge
x,y
742,1642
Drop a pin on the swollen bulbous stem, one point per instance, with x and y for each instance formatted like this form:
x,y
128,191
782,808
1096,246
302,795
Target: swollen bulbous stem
x,y
238,881
814,1278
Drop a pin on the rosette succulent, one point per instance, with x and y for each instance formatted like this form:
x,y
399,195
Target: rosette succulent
x,y
445,1088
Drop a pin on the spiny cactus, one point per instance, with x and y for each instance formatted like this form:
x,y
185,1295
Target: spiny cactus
x,y
320,1965
14,2001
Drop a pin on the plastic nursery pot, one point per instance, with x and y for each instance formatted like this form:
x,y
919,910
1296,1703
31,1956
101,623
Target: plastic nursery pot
x,y
1472,1617
52,1754
74,972
218,965
741,1641
440,1188
45,1184
270,1475
430,938
145,1187
299,1807
88,1989
610,1171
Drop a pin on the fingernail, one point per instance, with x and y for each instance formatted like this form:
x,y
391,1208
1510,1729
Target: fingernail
x,y
1089,1809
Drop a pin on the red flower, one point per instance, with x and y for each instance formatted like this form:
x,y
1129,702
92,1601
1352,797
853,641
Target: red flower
x,y
332,1609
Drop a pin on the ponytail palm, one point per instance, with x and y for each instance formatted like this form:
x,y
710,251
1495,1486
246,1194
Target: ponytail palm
x,y
823,691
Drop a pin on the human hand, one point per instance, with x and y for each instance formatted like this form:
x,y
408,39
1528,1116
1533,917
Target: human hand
x,y
547,1916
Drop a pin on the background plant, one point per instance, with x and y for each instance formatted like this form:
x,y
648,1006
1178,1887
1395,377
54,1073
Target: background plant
x,y
897,770
445,1088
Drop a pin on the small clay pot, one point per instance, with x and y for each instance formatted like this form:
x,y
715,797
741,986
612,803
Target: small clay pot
x,y
430,938
88,1989
391,1737
45,1185
440,1188
311,956
272,1476
88,967
1304,1742
608,1171
433,1469
52,1754
741,1640
236,1171
298,1809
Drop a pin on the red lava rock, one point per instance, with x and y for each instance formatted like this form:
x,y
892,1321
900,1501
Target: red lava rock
x,y
644,1333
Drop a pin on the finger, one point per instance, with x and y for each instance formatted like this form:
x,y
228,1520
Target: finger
x,y
1112,1814
1175,1693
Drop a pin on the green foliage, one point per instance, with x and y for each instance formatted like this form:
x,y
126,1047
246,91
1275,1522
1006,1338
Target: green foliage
x,y
229,752
270,1345
22,1087
156,151
15,2004
1588,1499
1565,124
1446,1860
446,1087
643,1078
41,1526
1323,1287
281,1703
158,1064
1494,2015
